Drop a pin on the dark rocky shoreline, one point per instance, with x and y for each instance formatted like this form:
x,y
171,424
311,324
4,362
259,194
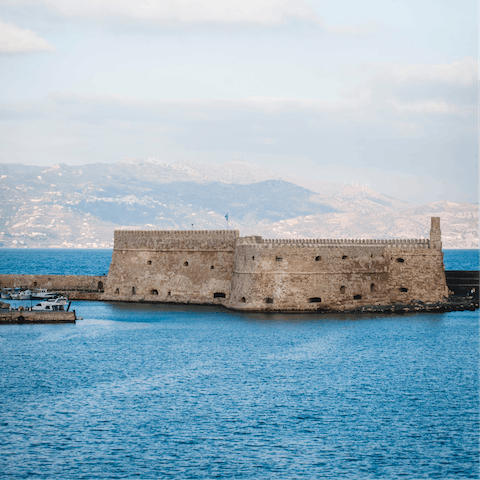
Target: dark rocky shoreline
x,y
452,304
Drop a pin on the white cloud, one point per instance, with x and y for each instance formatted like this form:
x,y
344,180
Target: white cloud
x,y
295,135
427,107
261,12
17,40
462,72
364,28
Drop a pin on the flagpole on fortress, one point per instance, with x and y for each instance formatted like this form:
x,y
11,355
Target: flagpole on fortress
x,y
226,216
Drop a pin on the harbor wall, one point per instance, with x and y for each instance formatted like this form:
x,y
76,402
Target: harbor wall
x,y
20,317
76,287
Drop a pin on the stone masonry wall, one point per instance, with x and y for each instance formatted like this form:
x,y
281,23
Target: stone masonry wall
x,y
172,266
334,274
86,283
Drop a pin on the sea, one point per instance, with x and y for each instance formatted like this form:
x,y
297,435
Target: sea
x,y
153,391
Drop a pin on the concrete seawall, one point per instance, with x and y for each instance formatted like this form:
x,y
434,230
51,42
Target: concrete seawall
x,y
20,317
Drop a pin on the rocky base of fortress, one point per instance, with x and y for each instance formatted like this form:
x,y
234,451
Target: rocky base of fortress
x,y
451,304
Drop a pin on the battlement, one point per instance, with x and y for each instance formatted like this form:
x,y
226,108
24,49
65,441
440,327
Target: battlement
x,y
316,242
181,233
187,239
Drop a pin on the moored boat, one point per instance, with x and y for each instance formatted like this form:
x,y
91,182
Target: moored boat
x,y
42,294
53,304
6,293
21,295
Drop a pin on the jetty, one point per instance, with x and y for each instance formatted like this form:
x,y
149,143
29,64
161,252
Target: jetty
x,y
21,316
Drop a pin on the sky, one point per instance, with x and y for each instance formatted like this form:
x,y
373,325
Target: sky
x,y
383,93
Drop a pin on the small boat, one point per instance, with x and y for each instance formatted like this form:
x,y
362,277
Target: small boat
x,y
51,305
6,293
21,295
42,294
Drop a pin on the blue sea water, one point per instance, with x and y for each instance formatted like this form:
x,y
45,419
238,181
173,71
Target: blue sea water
x,y
164,391
55,261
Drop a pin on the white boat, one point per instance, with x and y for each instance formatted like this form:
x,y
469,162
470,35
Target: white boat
x,y
51,305
6,293
42,294
22,295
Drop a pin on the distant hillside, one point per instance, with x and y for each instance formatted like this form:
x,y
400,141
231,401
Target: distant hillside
x,y
80,206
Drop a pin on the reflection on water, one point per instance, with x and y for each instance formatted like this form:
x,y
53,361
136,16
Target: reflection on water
x,y
171,391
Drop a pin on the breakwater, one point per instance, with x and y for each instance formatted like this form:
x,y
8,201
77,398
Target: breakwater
x,y
75,287
24,316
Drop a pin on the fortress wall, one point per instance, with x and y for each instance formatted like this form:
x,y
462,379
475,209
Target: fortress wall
x,y
294,275
172,266
251,273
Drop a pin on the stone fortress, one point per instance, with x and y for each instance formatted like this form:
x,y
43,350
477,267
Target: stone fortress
x,y
251,273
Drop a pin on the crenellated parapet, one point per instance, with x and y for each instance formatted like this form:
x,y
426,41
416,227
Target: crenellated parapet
x,y
315,243
174,239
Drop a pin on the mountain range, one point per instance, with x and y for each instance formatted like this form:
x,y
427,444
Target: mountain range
x,y
80,206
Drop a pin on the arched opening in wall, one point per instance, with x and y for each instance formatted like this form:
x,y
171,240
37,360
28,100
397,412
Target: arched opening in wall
x,y
357,297
373,288
279,259
344,257
218,295
403,289
343,289
34,284
269,300
318,258
243,300
185,264
400,260
169,294
133,290
117,291
253,258
154,292
149,262
100,286
212,267
314,300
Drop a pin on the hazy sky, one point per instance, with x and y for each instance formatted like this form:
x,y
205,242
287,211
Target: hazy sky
x,y
383,92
